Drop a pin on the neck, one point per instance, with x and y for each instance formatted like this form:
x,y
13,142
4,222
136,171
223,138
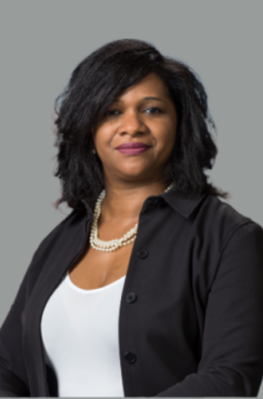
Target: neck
x,y
125,204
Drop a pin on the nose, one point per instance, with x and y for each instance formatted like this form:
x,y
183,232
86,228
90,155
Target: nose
x,y
132,124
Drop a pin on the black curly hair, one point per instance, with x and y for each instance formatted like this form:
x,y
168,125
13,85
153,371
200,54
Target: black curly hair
x,y
93,87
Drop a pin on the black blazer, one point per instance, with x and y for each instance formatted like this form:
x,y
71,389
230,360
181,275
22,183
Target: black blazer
x,y
195,324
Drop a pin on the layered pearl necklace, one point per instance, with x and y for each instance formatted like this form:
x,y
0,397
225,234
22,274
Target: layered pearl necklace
x,y
112,245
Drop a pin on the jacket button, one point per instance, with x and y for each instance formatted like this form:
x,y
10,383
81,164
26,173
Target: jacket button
x,y
131,297
142,253
130,357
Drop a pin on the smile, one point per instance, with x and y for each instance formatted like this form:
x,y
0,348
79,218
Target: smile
x,y
132,151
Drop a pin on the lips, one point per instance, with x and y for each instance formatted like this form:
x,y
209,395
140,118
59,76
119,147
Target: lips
x,y
133,151
132,146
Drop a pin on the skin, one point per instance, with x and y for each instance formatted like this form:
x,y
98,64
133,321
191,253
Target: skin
x,y
129,179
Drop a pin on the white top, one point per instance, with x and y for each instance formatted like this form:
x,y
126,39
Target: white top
x,y
80,335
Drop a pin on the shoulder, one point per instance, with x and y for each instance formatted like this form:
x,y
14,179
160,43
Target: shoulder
x,y
75,218
55,237
220,221
46,255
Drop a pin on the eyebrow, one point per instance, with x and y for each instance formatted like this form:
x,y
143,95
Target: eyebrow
x,y
145,98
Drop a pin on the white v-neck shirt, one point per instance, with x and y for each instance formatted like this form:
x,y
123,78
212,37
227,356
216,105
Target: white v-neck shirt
x,y
80,336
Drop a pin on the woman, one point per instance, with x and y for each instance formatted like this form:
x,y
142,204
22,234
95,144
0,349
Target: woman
x,y
152,286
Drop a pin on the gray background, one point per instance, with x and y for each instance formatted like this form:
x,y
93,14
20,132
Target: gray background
x,y
43,41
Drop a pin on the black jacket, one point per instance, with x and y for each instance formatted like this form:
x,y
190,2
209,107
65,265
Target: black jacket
x,y
196,327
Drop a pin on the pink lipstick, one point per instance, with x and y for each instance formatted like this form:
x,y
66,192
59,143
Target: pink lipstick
x,y
132,148
132,151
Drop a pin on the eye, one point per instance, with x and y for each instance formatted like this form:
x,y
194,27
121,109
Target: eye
x,y
154,110
112,112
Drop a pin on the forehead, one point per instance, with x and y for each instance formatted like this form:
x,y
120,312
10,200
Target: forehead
x,y
151,85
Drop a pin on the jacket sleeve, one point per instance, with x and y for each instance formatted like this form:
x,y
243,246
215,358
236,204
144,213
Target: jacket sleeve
x,y
12,372
13,376
232,346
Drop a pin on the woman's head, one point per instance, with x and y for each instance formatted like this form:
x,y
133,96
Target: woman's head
x,y
143,114
123,70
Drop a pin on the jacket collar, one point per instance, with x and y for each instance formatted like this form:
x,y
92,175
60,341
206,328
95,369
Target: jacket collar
x,y
182,205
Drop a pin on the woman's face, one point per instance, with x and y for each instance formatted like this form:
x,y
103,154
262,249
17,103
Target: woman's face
x,y
144,113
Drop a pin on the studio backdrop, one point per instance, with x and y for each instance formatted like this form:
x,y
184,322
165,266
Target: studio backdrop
x,y
43,41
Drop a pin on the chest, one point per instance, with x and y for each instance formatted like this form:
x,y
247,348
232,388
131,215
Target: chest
x,y
97,269
164,280
82,345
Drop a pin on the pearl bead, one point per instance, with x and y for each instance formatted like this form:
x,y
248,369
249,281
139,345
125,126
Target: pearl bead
x,y
109,246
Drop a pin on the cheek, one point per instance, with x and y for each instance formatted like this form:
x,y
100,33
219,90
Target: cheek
x,y
102,139
165,136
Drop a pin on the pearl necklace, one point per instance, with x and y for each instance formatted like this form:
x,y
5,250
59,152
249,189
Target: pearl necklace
x,y
112,245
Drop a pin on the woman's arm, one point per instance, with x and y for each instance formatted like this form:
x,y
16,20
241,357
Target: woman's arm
x,y
13,375
11,385
232,354
13,380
